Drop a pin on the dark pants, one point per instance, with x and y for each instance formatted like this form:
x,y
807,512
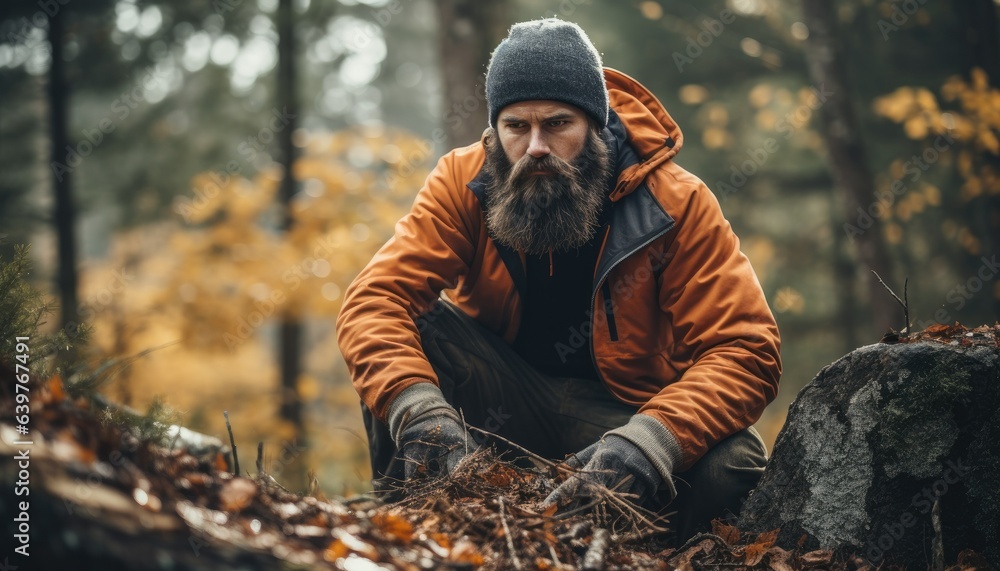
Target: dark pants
x,y
498,391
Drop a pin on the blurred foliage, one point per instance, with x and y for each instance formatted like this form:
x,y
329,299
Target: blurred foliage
x,y
227,271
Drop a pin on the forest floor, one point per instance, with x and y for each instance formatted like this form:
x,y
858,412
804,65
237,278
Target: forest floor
x,y
94,472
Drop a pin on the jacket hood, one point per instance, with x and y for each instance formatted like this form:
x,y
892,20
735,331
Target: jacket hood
x,y
653,133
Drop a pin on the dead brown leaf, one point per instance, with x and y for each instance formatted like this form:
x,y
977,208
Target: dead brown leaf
x,y
729,533
814,559
237,494
394,526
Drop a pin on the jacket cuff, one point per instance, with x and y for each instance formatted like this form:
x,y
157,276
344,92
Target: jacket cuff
x,y
657,442
413,402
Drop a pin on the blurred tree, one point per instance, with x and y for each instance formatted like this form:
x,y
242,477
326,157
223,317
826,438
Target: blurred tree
x,y
64,213
469,30
290,336
846,153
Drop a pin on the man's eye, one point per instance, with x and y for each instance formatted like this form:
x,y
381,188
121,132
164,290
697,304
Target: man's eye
x,y
557,123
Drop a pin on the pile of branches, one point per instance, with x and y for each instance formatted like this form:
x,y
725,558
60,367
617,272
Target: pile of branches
x,y
498,504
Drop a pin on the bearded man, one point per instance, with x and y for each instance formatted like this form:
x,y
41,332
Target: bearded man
x,y
566,285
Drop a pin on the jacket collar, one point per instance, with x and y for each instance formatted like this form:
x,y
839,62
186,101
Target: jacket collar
x,y
636,217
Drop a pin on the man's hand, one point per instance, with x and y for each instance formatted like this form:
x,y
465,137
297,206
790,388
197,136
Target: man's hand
x,y
433,443
614,463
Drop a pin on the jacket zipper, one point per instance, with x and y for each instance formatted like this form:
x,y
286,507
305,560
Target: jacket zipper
x,y
601,281
609,311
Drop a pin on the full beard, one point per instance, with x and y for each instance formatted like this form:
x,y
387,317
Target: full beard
x,y
555,212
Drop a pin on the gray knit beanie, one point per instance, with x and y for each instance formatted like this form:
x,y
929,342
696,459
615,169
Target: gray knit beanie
x,y
547,59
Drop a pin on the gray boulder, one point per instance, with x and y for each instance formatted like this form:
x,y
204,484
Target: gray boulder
x,y
888,451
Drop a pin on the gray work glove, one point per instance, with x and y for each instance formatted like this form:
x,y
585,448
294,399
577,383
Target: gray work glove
x,y
635,459
428,432
611,462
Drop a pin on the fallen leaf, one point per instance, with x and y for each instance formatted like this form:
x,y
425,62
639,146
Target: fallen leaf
x,y
55,392
220,463
237,494
779,560
755,551
682,561
336,550
814,559
394,526
465,552
969,560
729,533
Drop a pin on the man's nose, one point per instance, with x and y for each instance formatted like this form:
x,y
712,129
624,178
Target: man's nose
x,y
538,147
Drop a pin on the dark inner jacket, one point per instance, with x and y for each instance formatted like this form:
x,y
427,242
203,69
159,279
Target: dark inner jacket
x,y
557,315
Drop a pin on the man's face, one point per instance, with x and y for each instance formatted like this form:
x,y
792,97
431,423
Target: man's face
x,y
549,172
539,128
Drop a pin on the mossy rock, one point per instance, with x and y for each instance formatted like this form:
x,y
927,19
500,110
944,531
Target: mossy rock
x,y
874,441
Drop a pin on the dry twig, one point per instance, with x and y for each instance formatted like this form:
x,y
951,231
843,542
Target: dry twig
x,y
232,442
904,303
510,540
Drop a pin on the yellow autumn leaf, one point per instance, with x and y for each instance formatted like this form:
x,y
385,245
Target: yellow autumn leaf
x,y
760,95
893,233
916,127
715,138
988,141
788,300
692,94
926,100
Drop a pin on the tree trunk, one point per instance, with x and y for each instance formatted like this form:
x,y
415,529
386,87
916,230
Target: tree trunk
x,y
843,278
290,336
852,174
64,213
469,30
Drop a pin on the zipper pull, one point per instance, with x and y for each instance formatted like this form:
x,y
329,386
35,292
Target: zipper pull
x,y
550,263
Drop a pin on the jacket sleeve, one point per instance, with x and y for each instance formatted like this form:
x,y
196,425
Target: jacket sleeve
x,y
378,326
725,339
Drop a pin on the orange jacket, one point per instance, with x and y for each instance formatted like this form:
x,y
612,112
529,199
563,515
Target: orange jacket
x,y
687,336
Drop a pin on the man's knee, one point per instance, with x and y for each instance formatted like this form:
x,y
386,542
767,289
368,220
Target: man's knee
x,y
742,451
730,468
